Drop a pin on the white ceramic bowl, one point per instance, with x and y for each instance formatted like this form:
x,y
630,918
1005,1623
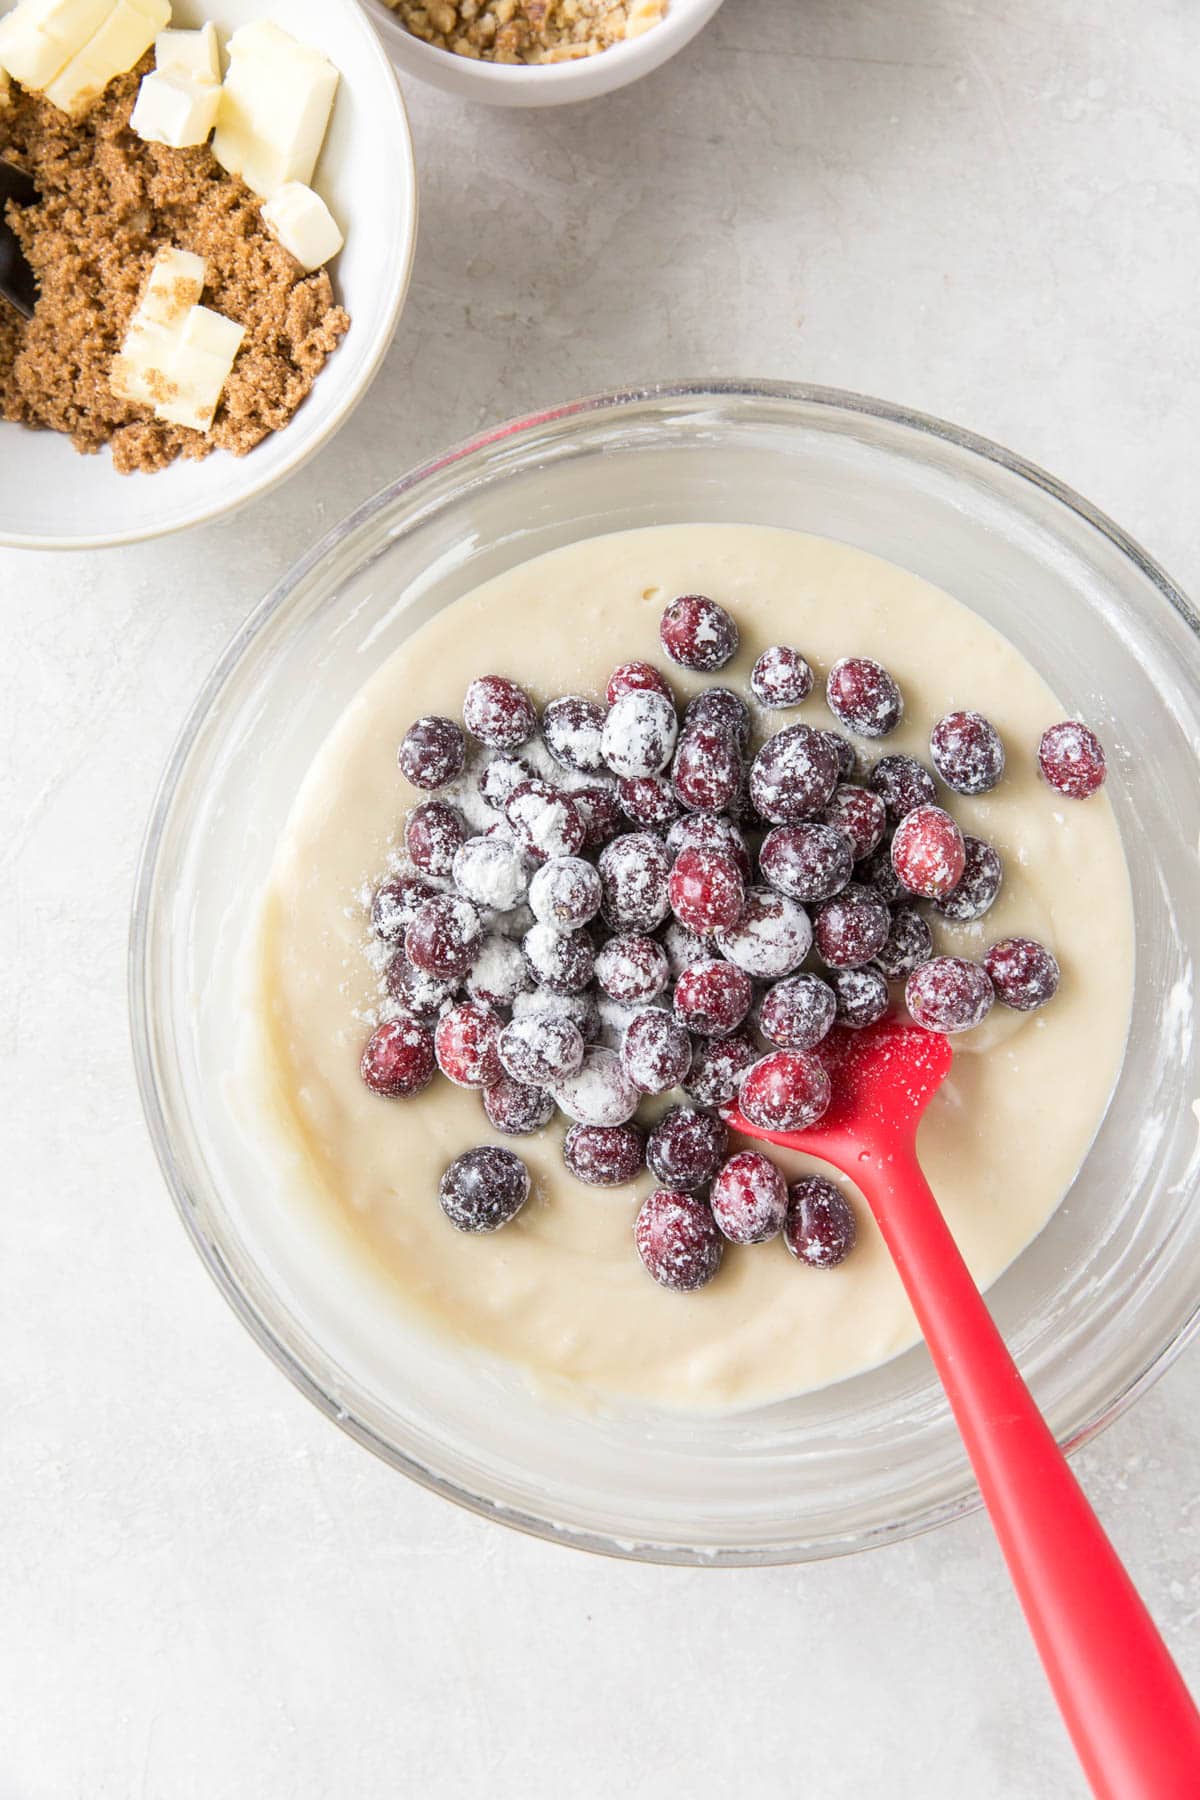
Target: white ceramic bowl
x,y
549,84
51,498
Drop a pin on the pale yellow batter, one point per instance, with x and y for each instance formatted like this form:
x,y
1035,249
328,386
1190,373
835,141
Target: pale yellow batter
x,y
560,1291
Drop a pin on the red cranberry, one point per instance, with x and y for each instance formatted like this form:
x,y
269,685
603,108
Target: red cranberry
x,y
630,677
601,815
787,1091
1024,973
781,677
565,892
484,1188
749,1198
712,998
499,973
863,696
419,995
562,961
498,712
741,810
432,752
1072,760
903,784
859,815
580,1010
797,1013
686,1147
443,936
706,831
967,752
498,779
490,871
718,1065
677,1240
516,1109
707,770
948,993
604,1155
977,886
544,821
772,935
540,1049
820,1228
649,800
698,634
632,969
909,944
876,872
862,997
433,832
806,862
793,776
634,871
639,734
572,727
719,709
656,1051
399,1059
851,928
394,904
928,853
465,1043
706,890
845,752
600,1091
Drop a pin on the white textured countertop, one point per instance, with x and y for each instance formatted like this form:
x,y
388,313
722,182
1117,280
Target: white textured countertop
x,y
207,1593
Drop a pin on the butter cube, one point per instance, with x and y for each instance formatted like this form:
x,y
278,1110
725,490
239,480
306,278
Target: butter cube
x,y
275,107
38,38
174,110
195,55
200,368
303,224
141,371
122,40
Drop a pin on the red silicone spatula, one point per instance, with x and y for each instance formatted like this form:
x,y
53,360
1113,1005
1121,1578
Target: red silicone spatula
x,y
1132,1720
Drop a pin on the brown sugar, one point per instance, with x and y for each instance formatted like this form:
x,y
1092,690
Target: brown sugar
x,y
527,31
107,202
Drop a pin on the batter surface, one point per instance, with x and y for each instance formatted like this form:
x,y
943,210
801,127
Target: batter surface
x,y
560,1291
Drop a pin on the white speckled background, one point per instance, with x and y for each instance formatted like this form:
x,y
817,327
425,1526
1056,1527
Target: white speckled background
x,y
988,212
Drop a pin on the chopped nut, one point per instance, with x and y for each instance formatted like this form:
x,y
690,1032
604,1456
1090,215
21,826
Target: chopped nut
x,y
527,31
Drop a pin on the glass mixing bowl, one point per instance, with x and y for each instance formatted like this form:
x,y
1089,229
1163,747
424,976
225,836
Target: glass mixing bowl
x,y
1094,1308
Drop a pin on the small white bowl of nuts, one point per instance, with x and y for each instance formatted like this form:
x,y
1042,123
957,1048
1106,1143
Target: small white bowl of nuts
x,y
535,52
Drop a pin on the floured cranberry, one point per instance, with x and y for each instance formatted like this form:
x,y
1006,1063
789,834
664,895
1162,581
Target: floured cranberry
x,y
687,1146
498,712
399,1059
490,871
634,870
793,776
604,1155
1023,972
862,997
718,1065
967,752
712,997
749,1198
683,947
565,892
639,734
698,634
706,890
580,1010
820,1228
771,936
876,872
786,1091
649,800
781,677
741,810
499,777
432,752
706,831
909,944
632,969
1071,758
707,770
562,961
484,1188
516,1109
420,995
540,1049
903,784
395,902
928,853
677,1240
499,973
572,727
600,812
656,1051
465,1042
632,677
443,936
862,694
797,1013
977,886
433,833
948,993
719,709
544,821
859,815
600,1091
843,749
806,862
851,928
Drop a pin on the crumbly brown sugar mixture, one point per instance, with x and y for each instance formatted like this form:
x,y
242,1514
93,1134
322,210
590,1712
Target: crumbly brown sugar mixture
x,y
527,31
107,203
